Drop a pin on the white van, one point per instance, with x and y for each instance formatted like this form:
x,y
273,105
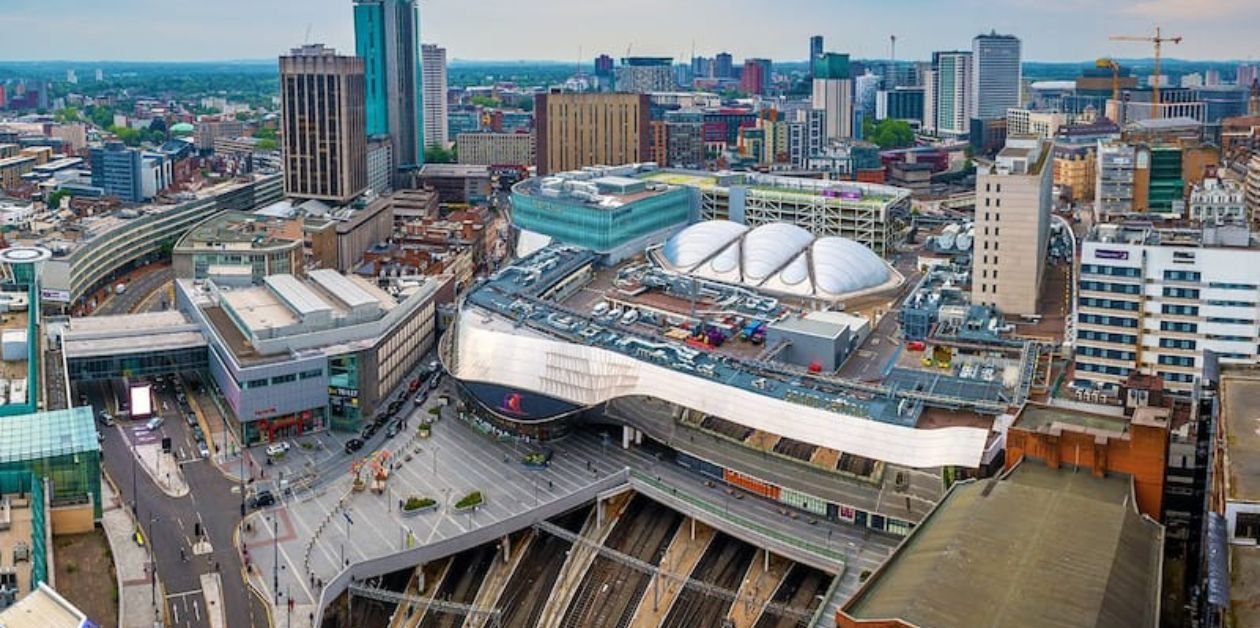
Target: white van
x,y
600,308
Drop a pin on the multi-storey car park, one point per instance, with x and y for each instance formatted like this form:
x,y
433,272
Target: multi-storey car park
x,y
556,341
87,252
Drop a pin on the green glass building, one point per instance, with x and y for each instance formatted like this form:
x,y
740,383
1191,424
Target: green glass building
x,y
1166,183
387,38
59,446
614,216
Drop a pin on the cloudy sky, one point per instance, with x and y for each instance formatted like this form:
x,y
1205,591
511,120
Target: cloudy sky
x,y
1052,30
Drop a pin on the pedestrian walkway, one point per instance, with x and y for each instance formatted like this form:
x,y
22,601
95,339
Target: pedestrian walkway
x,y
691,540
758,585
138,589
163,468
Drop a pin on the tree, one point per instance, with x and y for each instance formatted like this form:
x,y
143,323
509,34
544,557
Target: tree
x,y
527,104
435,154
890,133
267,144
54,200
69,114
101,116
484,101
266,133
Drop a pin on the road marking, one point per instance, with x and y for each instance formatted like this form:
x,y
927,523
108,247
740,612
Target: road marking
x,y
183,594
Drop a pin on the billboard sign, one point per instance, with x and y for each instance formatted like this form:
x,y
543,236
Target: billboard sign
x,y
1111,254
54,296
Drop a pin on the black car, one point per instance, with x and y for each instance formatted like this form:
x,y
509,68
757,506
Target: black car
x,y
353,445
262,499
368,431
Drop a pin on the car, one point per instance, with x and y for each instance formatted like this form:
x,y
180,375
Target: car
x,y
419,400
203,449
353,445
368,431
278,449
154,423
106,419
198,435
414,385
393,430
191,419
262,499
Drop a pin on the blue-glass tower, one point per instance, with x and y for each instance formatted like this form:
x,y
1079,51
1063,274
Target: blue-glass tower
x,y
387,37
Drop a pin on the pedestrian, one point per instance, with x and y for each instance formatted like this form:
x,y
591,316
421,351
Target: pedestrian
x,y
549,485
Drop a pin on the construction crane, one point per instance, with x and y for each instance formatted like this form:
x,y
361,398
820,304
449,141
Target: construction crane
x,y
1158,40
1110,64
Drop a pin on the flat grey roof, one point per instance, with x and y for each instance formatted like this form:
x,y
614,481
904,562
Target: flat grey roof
x,y
810,327
1240,413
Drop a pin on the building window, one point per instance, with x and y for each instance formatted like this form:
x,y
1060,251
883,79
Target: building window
x,y
283,379
256,383
311,374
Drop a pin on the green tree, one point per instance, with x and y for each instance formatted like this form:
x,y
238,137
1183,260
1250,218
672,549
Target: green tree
x,y
54,199
267,144
243,116
127,135
527,104
484,101
69,114
101,116
435,154
890,133
266,133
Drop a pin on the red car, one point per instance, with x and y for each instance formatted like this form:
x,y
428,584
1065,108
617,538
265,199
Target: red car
x,y
916,345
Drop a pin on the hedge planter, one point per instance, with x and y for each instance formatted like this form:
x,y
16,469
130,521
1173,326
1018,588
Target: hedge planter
x,y
416,505
470,501
424,430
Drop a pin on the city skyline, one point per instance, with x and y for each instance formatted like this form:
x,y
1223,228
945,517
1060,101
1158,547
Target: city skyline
x,y
495,30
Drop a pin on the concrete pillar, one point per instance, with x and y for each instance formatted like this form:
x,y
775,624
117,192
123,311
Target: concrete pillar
x,y
506,544
765,565
693,529
627,433
599,513
638,437
420,577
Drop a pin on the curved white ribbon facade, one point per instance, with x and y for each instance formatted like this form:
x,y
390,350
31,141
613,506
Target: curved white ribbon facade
x,y
494,351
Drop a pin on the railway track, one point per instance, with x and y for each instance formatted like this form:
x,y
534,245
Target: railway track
x,y
527,590
800,589
610,591
468,569
723,565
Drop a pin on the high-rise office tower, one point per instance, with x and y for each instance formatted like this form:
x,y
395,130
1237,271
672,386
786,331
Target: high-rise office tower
x,y
322,124
387,38
723,65
1012,227
951,81
756,78
815,51
995,76
573,130
833,93
646,74
434,63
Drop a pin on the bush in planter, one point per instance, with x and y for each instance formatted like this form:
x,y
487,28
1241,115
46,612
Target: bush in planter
x,y
468,501
416,503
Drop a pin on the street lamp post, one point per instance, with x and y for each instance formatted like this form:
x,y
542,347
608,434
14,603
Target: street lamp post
x,y
275,560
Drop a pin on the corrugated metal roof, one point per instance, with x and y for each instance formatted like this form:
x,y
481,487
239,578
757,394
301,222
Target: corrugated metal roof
x,y
341,287
296,295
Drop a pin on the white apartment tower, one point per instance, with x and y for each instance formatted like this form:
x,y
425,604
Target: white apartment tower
x,y
433,62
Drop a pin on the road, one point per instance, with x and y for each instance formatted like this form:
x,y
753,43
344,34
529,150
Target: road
x,y
137,292
171,523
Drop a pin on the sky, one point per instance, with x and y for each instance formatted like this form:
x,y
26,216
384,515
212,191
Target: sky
x,y
1051,30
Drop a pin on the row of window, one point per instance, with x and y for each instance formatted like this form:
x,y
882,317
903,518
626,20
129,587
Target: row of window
x,y
1182,275
1233,286
1178,326
1181,293
1100,368
1184,378
284,379
1234,356
1180,310
1110,304
1176,360
1178,343
1229,338
1112,271
1110,321
1110,354
1231,321
1118,288
1102,336
1231,303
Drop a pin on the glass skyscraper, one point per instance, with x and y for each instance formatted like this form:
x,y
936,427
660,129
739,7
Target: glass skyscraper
x,y
387,37
995,76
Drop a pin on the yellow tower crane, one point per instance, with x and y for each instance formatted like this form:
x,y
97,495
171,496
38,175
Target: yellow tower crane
x,y
1158,40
